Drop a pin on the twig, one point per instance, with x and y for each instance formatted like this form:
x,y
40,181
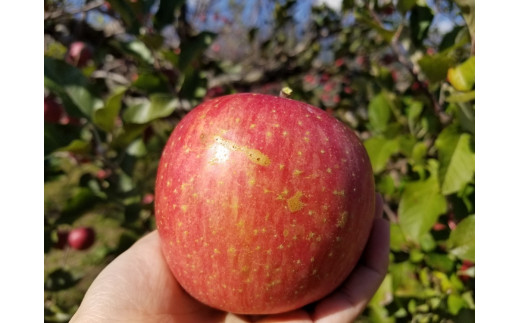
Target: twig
x,y
391,214
412,69
62,12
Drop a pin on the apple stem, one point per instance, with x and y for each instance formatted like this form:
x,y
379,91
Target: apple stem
x,y
286,92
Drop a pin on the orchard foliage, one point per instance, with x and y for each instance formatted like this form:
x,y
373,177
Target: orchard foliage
x,y
120,74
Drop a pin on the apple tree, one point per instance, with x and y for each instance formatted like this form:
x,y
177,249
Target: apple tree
x,y
120,75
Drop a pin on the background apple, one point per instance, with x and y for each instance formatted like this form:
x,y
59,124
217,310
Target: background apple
x,y
53,111
79,54
61,239
81,238
263,204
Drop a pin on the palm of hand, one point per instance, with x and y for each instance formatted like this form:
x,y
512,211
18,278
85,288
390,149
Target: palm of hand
x,y
139,287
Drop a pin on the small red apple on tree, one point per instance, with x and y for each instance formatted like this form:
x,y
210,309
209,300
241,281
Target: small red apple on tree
x,y
81,238
62,239
79,54
53,111
263,204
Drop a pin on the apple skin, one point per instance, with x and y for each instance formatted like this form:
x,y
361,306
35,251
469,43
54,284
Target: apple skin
x,y
263,204
81,238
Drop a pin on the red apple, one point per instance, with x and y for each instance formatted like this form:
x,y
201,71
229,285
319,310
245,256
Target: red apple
x,y
147,198
63,236
263,204
79,54
53,111
81,238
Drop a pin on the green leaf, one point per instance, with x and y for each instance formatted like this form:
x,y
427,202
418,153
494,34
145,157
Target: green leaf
x,y
57,136
165,13
383,295
404,5
71,85
60,279
159,106
420,206
82,200
404,280
386,185
466,116
455,303
462,240
105,117
192,48
419,153
457,160
137,148
151,82
380,150
436,66
440,262
453,37
138,49
462,77
461,97
128,15
397,239
420,20
127,134
467,7
387,35
427,242
379,112
77,146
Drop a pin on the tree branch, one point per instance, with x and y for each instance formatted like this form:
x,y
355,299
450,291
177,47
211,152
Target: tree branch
x,y
412,69
61,12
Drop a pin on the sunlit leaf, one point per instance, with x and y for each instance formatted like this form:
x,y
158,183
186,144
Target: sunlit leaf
x,y
158,106
137,148
457,160
462,77
455,303
462,240
379,112
139,49
420,206
397,239
404,280
105,117
380,150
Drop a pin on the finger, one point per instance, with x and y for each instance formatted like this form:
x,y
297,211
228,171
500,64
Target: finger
x,y
351,298
296,316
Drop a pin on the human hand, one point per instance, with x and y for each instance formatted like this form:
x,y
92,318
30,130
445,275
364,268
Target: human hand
x,y
139,287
